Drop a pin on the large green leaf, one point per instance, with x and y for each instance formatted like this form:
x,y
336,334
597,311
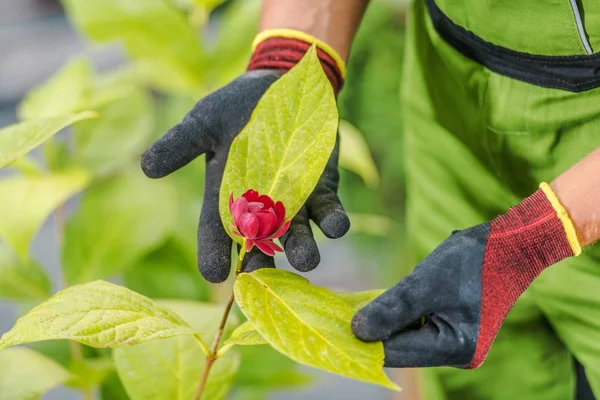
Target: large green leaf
x,y
26,202
98,314
89,373
177,362
355,155
64,93
26,374
247,335
238,27
264,370
167,273
284,148
372,224
121,135
118,222
74,88
309,324
112,388
153,32
114,85
27,165
21,280
19,139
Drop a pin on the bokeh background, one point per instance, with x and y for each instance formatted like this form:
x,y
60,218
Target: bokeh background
x,y
142,72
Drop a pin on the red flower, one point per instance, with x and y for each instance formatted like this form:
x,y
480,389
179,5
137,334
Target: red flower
x,y
259,220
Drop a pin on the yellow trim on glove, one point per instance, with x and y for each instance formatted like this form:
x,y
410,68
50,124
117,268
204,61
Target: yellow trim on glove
x,y
564,218
294,34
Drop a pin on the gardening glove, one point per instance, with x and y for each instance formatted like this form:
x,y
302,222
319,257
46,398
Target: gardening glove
x,y
465,288
210,128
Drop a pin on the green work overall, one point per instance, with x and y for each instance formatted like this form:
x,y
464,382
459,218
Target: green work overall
x,y
479,141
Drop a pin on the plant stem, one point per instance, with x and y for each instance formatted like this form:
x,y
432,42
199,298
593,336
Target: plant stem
x,y
214,348
75,349
200,342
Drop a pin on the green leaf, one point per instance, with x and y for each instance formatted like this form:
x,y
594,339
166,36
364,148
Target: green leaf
x,y
154,32
263,370
19,139
57,153
360,299
21,280
64,93
121,135
169,76
371,224
38,195
112,388
26,374
130,215
284,148
309,324
208,4
98,314
27,166
177,362
233,47
114,85
167,273
245,335
89,373
355,155
57,350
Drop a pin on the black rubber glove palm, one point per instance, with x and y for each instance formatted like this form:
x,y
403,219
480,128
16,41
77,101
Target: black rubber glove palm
x,y
210,128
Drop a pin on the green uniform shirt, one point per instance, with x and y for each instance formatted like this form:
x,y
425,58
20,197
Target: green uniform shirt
x,y
478,142
545,27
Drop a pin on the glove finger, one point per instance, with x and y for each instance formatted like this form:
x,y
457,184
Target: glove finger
x,y
394,310
256,259
435,344
180,145
328,213
214,244
299,244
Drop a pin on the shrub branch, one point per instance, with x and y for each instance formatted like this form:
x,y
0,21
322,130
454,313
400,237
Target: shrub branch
x,y
214,348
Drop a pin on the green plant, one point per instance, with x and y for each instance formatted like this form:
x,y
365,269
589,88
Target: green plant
x,y
125,226
312,324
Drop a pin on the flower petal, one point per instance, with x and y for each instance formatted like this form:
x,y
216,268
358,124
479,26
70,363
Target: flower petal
x,y
238,208
255,206
249,245
230,202
248,225
251,195
264,247
267,201
274,246
280,212
281,230
266,222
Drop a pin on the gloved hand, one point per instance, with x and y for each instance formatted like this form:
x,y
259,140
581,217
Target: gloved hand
x,y
466,286
211,126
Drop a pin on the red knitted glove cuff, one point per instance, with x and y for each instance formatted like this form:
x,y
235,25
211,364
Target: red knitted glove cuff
x,y
521,244
281,54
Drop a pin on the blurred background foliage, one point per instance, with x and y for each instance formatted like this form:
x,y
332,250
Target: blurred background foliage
x,y
114,223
